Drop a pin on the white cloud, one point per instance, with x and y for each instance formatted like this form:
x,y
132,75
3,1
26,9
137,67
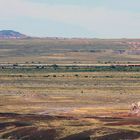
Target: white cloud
x,y
105,22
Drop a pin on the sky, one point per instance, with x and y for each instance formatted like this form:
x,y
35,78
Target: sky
x,y
72,18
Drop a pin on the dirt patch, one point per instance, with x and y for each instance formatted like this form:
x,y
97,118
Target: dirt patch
x,y
80,136
124,123
123,135
105,134
31,133
16,124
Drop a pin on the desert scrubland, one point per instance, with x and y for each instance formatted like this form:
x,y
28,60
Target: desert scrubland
x,y
69,103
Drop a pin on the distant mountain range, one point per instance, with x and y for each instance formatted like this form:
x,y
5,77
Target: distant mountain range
x,y
10,34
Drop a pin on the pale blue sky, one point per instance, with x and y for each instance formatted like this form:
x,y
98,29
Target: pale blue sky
x,y
72,18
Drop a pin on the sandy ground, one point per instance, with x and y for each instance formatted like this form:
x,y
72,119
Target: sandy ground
x,y
90,106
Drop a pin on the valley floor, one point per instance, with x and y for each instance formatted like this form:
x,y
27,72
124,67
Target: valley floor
x,y
69,106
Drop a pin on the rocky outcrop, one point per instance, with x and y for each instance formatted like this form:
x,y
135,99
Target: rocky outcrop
x,y
135,108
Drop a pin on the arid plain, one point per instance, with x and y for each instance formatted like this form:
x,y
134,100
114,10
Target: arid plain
x,y
55,103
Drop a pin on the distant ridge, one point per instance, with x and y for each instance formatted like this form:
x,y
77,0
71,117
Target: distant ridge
x,y
10,34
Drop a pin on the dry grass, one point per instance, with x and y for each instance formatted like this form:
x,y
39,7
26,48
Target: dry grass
x,y
68,106
67,51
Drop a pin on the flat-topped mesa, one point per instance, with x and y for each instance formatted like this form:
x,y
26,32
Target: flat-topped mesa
x,y
135,108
